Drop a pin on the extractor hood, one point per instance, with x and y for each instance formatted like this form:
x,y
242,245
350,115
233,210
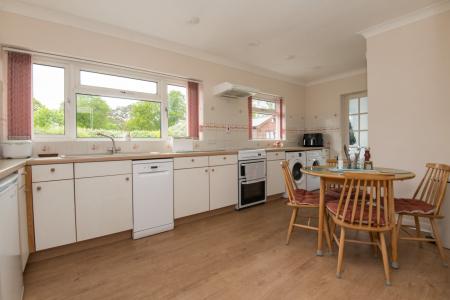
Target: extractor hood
x,y
231,90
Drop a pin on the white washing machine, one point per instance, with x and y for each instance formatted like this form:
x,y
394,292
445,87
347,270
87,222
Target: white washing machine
x,y
315,158
297,161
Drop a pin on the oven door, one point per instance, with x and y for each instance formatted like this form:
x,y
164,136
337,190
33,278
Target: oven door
x,y
252,170
251,192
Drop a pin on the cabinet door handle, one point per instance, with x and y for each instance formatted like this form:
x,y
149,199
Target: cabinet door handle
x,y
212,170
52,170
38,188
127,178
192,160
206,170
224,157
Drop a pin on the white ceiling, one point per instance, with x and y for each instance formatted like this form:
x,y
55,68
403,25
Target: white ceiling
x,y
302,40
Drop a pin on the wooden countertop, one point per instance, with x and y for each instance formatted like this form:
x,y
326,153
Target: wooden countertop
x,y
9,166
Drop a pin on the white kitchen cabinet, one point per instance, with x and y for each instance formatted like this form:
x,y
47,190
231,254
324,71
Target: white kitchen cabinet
x,y
190,162
223,183
275,179
54,213
191,191
22,200
52,172
103,205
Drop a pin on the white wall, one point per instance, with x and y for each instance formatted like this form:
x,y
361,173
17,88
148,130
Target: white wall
x,y
323,107
21,31
409,94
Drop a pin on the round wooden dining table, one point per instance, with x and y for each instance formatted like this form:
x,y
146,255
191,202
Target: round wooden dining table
x,y
332,175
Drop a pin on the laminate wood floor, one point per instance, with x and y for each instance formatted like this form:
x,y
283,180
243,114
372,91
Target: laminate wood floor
x,y
237,255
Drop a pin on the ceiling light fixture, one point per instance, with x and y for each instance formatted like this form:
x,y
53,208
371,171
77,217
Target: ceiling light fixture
x,y
254,43
193,21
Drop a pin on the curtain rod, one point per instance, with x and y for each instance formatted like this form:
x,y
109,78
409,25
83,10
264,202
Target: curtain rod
x,y
91,61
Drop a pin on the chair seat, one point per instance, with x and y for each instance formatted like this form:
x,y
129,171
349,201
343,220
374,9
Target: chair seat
x,y
304,197
413,206
332,207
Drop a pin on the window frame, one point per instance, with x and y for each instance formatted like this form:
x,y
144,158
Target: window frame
x,y
67,110
278,134
183,84
346,114
73,86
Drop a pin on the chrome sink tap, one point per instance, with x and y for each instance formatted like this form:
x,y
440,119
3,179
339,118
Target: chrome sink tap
x,y
114,149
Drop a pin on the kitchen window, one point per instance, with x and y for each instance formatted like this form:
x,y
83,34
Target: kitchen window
x,y
178,110
74,100
266,119
117,82
49,93
117,117
356,122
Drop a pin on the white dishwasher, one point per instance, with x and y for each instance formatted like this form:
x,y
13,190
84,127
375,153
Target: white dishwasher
x,y
11,278
152,197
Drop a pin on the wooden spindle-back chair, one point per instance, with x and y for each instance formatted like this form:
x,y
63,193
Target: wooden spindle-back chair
x,y
365,204
426,204
300,199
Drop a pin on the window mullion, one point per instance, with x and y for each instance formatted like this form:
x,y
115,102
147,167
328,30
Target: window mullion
x,y
71,102
164,109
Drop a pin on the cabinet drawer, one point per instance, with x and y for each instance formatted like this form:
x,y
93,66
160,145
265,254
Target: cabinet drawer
x,y
219,160
278,155
52,172
103,168
190,162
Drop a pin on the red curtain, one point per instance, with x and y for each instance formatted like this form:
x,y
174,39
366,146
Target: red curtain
x,y
281,120
250,118
193,109
19,96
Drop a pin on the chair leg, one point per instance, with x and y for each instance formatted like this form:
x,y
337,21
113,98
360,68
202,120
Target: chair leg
x,y
437,237
418,232
385,258
341,253
372,240
327,234
291,224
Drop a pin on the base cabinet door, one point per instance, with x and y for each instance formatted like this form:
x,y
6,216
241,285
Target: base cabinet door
x,y
191,191
275,179
54,213
103,205
223,186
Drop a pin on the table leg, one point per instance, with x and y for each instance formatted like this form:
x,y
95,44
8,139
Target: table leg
x,y
321,217
394,245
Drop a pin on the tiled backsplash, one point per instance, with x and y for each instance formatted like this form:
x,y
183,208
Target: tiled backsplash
x,y
213,138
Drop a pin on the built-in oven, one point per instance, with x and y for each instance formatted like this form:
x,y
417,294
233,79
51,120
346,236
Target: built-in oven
x,y
252,182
